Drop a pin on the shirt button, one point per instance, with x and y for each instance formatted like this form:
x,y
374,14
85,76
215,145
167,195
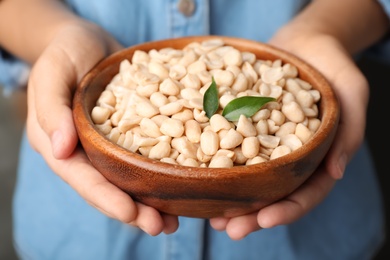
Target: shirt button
x,y
186,7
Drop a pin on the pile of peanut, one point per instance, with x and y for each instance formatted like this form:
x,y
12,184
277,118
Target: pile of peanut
x,y
154,106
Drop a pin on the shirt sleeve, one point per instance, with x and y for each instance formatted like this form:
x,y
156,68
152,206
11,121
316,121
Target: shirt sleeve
x,y
381,50
13,73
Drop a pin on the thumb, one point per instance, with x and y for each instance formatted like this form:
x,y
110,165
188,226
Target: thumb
x,y
54,77
51,84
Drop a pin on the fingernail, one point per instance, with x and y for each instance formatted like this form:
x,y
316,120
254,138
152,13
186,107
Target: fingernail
x,y
144,229
147,232
341,164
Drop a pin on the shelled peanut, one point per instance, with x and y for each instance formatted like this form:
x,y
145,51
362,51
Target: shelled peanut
x,y
154,106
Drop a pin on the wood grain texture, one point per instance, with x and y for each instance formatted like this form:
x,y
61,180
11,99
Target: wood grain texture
x,y
203,192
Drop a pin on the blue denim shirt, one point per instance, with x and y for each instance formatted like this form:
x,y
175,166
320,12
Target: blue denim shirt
x,y
136,21
153,19
51,221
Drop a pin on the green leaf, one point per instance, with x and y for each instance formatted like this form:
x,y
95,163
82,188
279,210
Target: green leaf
x,y
210,99
247,106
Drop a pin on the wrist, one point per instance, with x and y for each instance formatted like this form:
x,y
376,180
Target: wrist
x,y
306,42
328,55
81,44
332,19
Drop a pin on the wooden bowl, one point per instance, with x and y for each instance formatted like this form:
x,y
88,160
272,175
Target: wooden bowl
x,y
194,191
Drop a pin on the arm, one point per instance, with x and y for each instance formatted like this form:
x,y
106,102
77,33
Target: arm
x,y
325,34
62,48
32,22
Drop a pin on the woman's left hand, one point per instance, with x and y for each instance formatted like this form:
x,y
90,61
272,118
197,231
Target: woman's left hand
x,y
327,55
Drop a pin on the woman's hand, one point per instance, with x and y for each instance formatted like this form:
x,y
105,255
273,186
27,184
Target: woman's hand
x,y
327,55
324,34
74,50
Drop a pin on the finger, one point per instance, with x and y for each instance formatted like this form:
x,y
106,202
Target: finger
x,y
77,171
239,227
52,82
349,85
81,176
301,201
353,92
219,224
98,192
171,223
96,189
54,78
149,220
338,156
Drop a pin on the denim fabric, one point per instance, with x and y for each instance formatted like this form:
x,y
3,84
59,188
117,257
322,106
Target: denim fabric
x,y
136,21
51,221
13,73
385,5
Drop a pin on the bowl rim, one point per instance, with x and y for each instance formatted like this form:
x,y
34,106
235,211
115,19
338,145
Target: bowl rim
x,y
328,125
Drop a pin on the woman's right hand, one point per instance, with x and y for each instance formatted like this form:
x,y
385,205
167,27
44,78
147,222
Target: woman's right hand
x,y
73,51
